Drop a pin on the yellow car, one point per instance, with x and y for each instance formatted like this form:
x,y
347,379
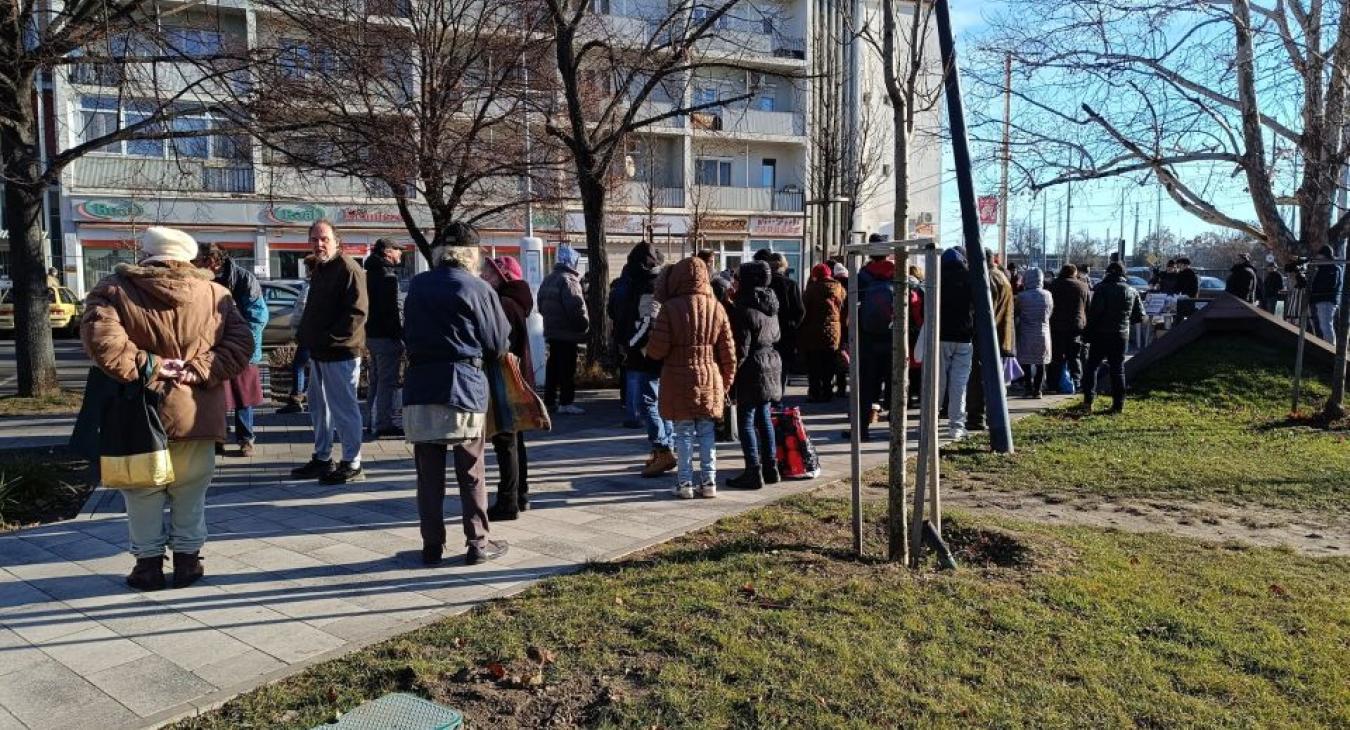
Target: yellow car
x,y
64,310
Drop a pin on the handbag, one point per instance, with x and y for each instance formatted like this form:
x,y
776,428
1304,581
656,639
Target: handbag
x,y
122,424
513,406
1065,382
725,427
1012,370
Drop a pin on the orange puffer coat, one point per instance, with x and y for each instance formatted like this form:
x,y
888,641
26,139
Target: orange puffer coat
x,y
692,338
171,311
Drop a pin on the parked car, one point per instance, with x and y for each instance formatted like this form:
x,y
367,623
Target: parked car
x,y
64,310
280,298
1210,287
1138,283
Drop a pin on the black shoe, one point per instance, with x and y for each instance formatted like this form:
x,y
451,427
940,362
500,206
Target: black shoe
x,y
770,473
148,575
431,554
187,568
751,478
392,432
523,503
499,512
315,469
220,449
976,427
491,550
291,408
344,473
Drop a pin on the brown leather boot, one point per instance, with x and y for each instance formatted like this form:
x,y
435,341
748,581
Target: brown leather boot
x,y
148,575
662,461
187,568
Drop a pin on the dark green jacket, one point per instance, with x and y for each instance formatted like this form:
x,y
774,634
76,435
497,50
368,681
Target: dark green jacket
x,y
1114,307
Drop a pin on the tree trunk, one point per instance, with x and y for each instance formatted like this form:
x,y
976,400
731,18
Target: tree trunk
x,y
35,359
897,524
593,196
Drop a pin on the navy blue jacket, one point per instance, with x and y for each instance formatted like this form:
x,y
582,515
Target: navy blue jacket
x,y
450,319
1326,284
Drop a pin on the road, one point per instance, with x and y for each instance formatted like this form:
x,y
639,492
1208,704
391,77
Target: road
x,y
71,365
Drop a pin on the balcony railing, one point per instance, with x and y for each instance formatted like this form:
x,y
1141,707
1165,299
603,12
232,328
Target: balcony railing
x,y
156,175
641,195
717,197
754,121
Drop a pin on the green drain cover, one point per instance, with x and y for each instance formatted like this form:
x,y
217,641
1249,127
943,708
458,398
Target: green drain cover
x,y
398,711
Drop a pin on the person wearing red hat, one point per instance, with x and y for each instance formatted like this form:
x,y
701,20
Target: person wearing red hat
x,y
506,278
821,331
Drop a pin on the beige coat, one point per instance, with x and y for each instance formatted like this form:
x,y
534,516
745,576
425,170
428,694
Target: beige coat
x,y
170,311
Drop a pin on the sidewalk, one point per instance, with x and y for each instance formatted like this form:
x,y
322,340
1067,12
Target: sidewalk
x,y
298,573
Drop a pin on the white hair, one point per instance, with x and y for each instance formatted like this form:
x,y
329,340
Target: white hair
x,y
468,258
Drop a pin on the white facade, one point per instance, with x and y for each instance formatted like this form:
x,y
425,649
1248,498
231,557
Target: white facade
x,y
734,176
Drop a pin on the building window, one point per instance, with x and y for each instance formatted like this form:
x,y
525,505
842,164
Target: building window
x,y
193,42
704,96
709,171
101,116
768,173
766,102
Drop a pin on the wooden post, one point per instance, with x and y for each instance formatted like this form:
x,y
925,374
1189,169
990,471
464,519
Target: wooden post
x,y
899,431
854,401
926,472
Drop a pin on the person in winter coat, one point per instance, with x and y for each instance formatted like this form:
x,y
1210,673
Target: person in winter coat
x,y
841,370
875,309
633,314
692,338
453,324
1001,291
721,284
790,308
506,278
295,400
956,330
384,336
1271,287
1188,282
1035,306
167,317
333,328
1242,279
1068,319
1115,306
1018,280
244,391
821,332
1324,293
562,303
754,327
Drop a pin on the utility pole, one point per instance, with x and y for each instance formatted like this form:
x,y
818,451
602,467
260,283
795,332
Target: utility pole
x,y
1007,158
1158,232
1045,230
1059,226
1136,228
1068,219
1121,248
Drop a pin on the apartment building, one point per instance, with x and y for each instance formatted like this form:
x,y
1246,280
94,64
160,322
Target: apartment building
x,y
731,177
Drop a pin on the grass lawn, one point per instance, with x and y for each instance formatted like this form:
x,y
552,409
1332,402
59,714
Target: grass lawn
x,y
1212,423
764,620
64,402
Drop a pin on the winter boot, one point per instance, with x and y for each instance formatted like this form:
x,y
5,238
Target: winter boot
x,y
148,575
505,509
662,462
770,472
751,478
187,568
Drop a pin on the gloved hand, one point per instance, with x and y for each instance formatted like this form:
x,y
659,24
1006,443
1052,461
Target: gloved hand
x,y
649,307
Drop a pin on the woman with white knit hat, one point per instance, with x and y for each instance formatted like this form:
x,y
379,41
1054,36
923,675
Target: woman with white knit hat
x,y
166,315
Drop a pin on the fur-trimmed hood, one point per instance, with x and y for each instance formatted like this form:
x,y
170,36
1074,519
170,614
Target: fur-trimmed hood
x,y
169,282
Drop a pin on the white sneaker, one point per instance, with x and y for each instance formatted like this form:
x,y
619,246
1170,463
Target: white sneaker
x,y
707,490
684,490
957,434
571,410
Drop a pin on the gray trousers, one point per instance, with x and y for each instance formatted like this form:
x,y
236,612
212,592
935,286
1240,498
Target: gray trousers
x,y
430,462
383,394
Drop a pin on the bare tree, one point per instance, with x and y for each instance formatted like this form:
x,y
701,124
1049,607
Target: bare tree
x,y
1196,94
428,101
151,80
1027,242
620,74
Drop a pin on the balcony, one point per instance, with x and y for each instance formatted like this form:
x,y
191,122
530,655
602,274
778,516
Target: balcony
x,y
754,121
717,197
641,195
161,175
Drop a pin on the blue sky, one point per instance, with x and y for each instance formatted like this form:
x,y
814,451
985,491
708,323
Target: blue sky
x,y
1096,208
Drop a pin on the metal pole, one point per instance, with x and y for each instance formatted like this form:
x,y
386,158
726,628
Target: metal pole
x,y
932,381
1000,434
1298,356
1007,158
854,404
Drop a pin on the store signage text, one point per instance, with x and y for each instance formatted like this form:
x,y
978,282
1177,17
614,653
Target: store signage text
x,y
294,214
366,215
725,224
110,209
776,226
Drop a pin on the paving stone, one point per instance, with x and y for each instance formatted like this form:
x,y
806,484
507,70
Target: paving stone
x,y
238,669
93,650
150,684
190,644
50,695
10,722
16,654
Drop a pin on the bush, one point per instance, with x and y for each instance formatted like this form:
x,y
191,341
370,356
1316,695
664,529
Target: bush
x,y
34,490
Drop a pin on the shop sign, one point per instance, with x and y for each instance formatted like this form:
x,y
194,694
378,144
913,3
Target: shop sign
x,y
367,215
776,226
109,210
725,224
303,214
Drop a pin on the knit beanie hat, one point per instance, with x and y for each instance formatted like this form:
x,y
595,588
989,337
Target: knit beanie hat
x,y
168,244
840,272
567,256
507,268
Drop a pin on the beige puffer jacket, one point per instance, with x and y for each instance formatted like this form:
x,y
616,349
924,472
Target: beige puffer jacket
x,y
171,311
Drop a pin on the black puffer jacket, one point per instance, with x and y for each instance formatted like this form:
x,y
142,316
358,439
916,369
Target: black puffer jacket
x,y
1115,306
637,280
386,311
754,326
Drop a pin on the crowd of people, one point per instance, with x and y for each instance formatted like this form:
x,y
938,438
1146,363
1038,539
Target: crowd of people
x,y
694,346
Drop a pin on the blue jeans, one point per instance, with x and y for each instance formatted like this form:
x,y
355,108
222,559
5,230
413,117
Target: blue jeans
x,y
243,425
755,423
333,406
687,434
642,391
299,370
